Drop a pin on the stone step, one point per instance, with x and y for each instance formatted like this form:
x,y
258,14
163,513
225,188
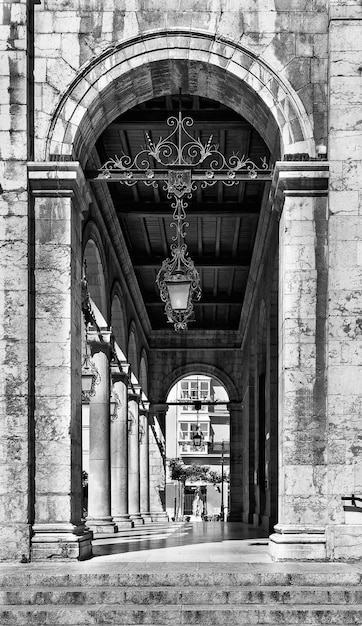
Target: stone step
x,y
180,577
262,595
179,615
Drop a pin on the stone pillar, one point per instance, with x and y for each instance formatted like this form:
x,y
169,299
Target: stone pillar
x,y
16,341
301,194
59,191
236,461
144,463
345,280
99,518
157,451
134,505
119,447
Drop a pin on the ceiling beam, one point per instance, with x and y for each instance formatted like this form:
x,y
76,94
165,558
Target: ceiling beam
x,y
242,262
207,300
163,209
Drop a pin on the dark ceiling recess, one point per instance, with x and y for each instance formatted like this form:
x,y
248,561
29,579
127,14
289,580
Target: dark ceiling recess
x,y
223,220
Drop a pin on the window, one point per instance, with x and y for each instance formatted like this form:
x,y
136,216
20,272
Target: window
x,y
195,390
186,432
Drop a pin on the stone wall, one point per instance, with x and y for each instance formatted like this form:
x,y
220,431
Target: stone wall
x,y
16,252
344,346
290,37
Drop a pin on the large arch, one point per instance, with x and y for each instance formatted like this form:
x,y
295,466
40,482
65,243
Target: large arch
x,y
139,69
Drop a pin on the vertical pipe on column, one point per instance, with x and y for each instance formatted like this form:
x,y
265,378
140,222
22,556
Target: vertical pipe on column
x,y
134,459
144,467
99,488
119,450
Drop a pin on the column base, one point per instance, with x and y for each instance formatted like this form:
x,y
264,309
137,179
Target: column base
x,y
136,519
160,516
147,518
344,542
298,544
122,522
101,525
59,542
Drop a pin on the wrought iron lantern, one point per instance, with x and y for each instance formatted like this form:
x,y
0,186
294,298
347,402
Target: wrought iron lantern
x,y
90,377
197,438
114,404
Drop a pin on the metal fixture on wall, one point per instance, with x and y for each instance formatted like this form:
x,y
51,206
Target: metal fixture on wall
x,y
182,162
90,376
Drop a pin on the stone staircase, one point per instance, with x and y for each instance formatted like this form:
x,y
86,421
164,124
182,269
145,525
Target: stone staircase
x,y
180,593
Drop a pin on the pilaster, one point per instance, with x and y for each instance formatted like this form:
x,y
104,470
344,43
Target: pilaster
x,y
157,449
301,197
236,461
119,446
134,505
144,462
60,197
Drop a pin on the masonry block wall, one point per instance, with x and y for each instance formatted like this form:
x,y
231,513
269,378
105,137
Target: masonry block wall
x,y
302,58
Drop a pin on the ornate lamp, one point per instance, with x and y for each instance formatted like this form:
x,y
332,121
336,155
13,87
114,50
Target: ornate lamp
x,y
178,280
90,377
197,438
114,404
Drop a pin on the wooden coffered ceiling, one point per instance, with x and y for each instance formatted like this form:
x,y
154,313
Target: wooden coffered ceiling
x,y
222,220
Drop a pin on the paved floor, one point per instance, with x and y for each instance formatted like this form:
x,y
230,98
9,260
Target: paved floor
x,y
199,542
208,547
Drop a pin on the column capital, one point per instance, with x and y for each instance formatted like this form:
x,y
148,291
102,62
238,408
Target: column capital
x,y
299,178
235,406
59,179
156,409
134,393
144,407
100,341
119,373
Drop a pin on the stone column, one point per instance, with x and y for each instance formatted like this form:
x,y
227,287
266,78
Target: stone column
x,y
345,280
119,447
59,191
144,463
16,244
99,518
134,505
301,190
236,461
157,460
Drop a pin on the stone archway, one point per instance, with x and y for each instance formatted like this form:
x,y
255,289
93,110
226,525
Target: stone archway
x,y
134,71
233,76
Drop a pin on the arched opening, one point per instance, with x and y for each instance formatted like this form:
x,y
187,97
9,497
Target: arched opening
x,y
197,450
231,228
95,271
119,323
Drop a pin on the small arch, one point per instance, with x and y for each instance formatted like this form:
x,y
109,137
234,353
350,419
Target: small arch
x,y
132,352
94,264
119,320
262,338
198,368
143,373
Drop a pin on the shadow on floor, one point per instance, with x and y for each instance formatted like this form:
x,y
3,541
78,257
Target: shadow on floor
x,y
189,537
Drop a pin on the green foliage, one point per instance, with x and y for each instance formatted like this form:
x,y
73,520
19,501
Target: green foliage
x,y
181,472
